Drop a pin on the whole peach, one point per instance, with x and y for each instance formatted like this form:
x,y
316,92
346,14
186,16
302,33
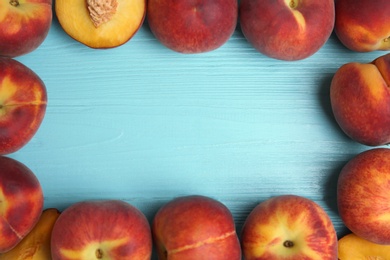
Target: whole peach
x,y
287,29
24,25
288,227
36,244
21,202
360,100
101,229
195,227
363,25
192,26
23,101
362,195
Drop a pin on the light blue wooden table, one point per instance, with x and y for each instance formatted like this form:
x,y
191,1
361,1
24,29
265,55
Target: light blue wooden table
x,y
144,124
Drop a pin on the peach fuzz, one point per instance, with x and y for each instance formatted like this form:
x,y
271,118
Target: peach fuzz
x,y
23,101
360,100
21,202
193,227
362,195
189,26
24,25
288,227
287,29
101,24
363,25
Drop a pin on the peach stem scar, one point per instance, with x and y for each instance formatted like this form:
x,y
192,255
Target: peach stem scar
x,y
99,253
14,2
288,243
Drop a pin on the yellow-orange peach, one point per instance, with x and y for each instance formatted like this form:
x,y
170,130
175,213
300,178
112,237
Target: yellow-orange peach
x,y
101,23
353,247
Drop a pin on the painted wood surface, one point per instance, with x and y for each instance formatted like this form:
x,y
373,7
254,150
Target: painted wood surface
x,y
144,124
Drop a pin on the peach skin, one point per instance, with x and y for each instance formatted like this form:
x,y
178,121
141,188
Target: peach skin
x,y
360,100
287,29
288,227
363,25
21,202
23,101
101,229
193,227
362,195
192,26
36,245
24,25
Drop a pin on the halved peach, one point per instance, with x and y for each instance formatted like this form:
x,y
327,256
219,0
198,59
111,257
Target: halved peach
x,y
36,245
101,24
352,247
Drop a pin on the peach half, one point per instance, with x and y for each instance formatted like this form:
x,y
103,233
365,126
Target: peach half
x,y
101,24
352,247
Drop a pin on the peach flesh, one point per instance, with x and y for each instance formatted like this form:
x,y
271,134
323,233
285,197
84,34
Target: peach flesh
x,y
101,28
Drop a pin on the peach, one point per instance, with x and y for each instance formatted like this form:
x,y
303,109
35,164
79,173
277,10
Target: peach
x,y
362,195
21,202
36,245
195,227
103,229
352,247
288,227
101,24
360,100
363,25
23,101
287,29
24,25
192,26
